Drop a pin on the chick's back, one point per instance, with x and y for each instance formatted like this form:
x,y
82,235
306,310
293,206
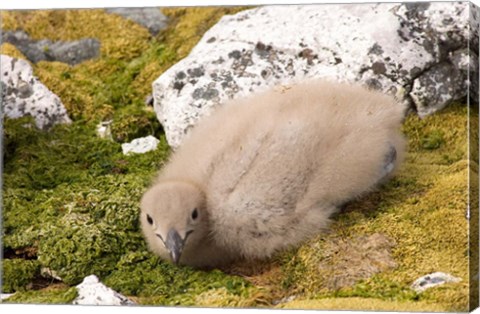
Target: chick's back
x,y
276,165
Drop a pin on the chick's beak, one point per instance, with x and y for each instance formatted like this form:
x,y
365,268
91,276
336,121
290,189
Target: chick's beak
x,y
174,244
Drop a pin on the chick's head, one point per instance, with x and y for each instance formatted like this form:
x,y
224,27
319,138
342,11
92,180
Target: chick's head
x,y
173,219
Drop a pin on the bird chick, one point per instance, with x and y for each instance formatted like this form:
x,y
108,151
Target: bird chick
x,y
264,173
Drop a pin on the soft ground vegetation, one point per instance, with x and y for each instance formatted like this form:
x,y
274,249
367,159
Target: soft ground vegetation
x,y
70,198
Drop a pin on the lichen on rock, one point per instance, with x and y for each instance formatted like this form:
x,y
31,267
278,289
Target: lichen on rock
x,y
255,49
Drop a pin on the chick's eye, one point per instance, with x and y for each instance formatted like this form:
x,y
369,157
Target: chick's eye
x,y
149,219
194,214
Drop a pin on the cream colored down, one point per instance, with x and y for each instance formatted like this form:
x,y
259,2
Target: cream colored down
x,y
266,172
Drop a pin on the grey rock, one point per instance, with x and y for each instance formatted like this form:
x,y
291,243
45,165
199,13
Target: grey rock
x,y
23,94
400,49
151,18
437,85
72,52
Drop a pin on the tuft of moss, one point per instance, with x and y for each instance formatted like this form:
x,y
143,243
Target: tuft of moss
x,y
157,282
51,295
133,122
11,50
18,274
433,140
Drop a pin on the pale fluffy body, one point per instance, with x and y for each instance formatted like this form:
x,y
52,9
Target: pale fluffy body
x,y
266,172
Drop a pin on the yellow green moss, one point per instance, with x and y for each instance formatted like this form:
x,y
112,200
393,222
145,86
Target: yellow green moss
x,y
153,281
363,304
120,38
94,88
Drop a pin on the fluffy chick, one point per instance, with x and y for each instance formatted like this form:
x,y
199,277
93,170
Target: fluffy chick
x,y
264,173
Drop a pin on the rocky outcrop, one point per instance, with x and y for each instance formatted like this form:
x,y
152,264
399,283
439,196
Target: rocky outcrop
x,y
415,51
23,94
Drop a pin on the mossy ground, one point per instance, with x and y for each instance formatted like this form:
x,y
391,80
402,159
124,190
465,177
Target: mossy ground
x,y
70,198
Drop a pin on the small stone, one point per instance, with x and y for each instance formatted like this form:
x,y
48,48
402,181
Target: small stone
x,y
284,300
432,280
49,273
104,129
140,145
4,296
92,292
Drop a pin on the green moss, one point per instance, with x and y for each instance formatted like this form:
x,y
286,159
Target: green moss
x,y
433,140
133,122
18,274
157,282
54,295
73,196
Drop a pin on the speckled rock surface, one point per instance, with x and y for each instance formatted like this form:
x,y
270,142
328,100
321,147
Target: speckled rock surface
x,y
151,18
72,52
23,94
92,292
401,49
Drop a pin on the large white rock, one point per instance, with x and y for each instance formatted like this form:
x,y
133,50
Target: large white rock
x,y
23,94
92,292
385,46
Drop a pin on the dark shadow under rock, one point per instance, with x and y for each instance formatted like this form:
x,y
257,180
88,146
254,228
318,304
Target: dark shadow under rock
x,y
71,52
